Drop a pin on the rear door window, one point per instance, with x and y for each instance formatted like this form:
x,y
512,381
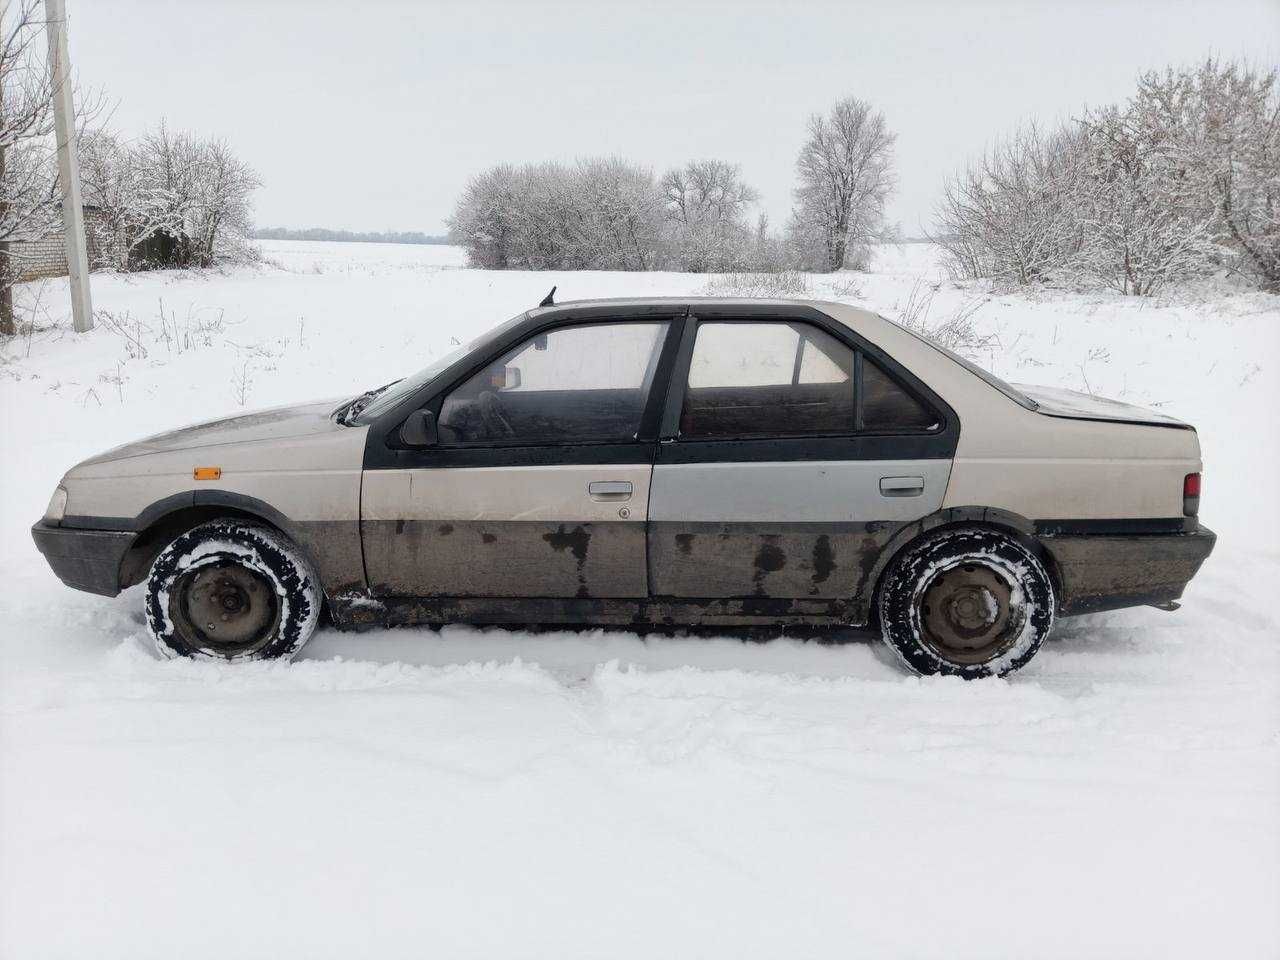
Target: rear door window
x,y
767,380
751,380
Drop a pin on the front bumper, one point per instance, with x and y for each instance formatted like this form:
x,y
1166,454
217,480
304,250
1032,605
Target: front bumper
x,y
1110,571
84,559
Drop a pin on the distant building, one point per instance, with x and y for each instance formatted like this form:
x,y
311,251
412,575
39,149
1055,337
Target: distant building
x,y
45,254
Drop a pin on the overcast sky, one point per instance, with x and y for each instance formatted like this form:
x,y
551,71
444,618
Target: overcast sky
x,y
369,115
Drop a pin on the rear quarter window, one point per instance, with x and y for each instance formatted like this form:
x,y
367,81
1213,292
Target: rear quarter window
x,y
887,406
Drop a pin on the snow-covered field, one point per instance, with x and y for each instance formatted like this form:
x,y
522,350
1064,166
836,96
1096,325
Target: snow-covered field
x,y
497,794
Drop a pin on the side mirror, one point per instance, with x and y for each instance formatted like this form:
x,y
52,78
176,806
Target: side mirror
x,y
419,430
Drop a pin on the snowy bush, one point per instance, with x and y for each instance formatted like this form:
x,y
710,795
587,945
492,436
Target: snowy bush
x,y
957,332
599,214
1014,214
1180,179
784,284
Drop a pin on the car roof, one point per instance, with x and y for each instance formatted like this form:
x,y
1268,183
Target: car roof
x,y
689,301
863,322
941,370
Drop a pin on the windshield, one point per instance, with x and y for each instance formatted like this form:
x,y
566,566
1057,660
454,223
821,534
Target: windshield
x,y
393,393
1014,394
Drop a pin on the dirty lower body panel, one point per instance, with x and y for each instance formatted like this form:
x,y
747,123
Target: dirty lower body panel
x,y
736,560
357,611
1110,571
505,558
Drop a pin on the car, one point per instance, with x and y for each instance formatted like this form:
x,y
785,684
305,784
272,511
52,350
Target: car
x,y
654,464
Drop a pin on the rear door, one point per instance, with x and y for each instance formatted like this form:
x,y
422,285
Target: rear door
x,y
791,452
538,486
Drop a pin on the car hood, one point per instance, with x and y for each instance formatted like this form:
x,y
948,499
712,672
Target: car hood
x,y
1057,402
276,423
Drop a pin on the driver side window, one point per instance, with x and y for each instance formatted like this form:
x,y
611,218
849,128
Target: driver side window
x,y
582,384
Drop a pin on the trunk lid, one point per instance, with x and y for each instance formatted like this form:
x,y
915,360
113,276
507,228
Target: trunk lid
x,y
1074,405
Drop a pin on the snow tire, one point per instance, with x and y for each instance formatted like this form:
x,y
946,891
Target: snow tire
x,y
232,590
943,597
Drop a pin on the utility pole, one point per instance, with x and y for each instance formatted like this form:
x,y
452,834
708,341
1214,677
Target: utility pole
x,y
64,117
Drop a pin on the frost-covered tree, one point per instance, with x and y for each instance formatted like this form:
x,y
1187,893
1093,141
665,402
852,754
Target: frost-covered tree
x,y
620,226
1217,126
547,219
845,172
26,122
1140,229
130,208
220,218
483,220
1181,178
706,205
169,163
191,202
599,214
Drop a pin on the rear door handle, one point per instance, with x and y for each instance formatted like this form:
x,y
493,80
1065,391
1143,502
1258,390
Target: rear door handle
x,y
901,486
609,489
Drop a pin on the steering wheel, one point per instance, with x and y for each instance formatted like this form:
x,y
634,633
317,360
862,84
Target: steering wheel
x,y
491,412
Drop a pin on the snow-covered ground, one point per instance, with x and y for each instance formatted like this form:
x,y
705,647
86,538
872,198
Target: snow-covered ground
x,y
494,794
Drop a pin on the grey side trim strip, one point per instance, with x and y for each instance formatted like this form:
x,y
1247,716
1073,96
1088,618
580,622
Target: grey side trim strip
x,y
814,491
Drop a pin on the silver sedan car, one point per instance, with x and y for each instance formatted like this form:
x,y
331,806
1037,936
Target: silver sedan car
x,y
653,464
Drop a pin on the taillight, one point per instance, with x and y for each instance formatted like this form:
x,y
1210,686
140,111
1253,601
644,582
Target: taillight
x,y
1191,494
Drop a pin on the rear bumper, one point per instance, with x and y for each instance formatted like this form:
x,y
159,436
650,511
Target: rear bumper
x,y
1110,571
84,559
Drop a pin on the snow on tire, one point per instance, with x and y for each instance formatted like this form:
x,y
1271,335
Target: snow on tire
x,y
232,590
968,602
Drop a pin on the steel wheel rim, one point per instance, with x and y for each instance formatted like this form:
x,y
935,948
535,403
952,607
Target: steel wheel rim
x,y
971,612
225,609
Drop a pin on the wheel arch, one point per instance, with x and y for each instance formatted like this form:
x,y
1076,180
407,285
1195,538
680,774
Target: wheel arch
x,y
159,524
1013,525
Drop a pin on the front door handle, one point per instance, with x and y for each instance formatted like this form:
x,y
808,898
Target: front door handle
x,y
609,489
901,486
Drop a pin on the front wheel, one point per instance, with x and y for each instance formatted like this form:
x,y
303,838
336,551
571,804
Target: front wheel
x,y
967,602
232,590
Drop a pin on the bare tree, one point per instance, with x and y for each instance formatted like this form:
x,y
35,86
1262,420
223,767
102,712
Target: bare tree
x,y
706,205
846,178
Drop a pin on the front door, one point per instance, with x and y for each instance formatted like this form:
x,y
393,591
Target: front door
x,y
539,485
789,457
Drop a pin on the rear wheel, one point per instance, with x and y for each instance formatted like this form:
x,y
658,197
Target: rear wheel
x,y
232,590
967,602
